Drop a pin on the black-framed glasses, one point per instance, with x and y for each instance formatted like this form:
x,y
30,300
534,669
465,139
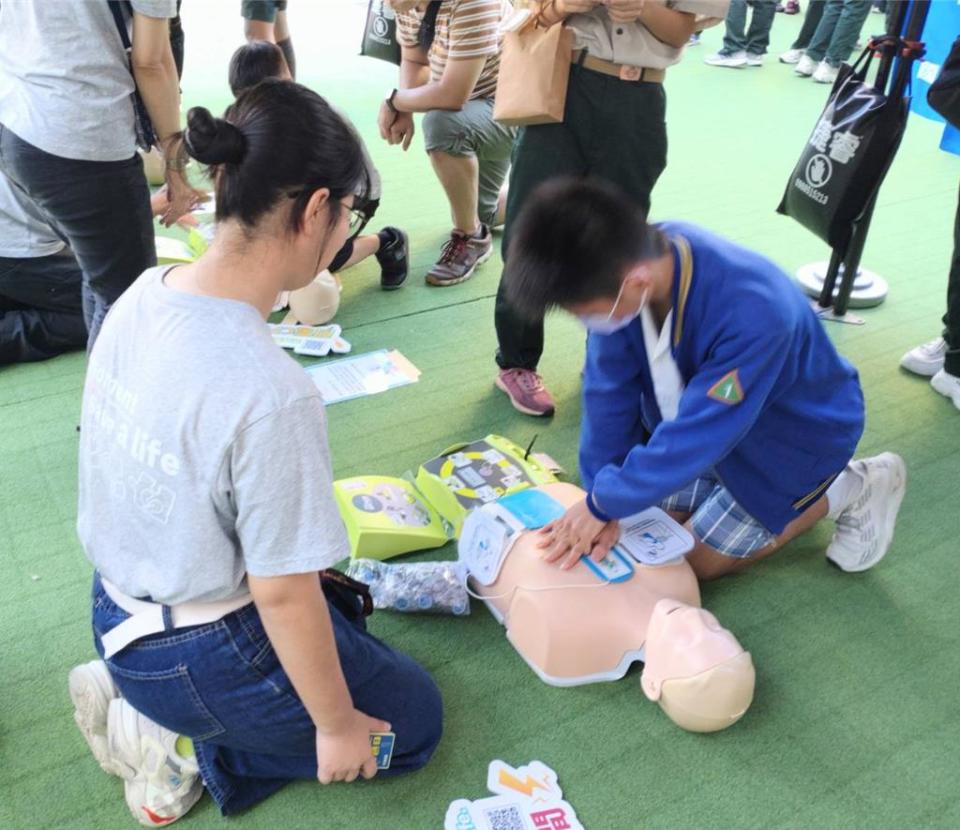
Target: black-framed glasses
x,y
358,221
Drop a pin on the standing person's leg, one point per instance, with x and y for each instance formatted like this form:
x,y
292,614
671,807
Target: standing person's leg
x,y
951,320
810,22
822,37
735,24
628,140
848,28
101,208
41,310
761,22
540,153
947,380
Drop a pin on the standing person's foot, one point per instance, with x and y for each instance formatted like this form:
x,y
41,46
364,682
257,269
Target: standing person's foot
x,y
393,256
806,66
754,59
91,690
826,74
791,7
947,385
865,527
926,360
731,60
460,257
791,56
160,785
694,39
526,391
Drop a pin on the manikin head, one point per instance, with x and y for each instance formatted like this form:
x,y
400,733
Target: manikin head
x,y
584,246
316,303
695,669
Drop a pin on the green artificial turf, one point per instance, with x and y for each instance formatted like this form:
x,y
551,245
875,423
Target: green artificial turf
x,y
854,723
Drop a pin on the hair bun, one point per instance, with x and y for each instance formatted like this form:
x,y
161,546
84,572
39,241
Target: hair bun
x,y
213,140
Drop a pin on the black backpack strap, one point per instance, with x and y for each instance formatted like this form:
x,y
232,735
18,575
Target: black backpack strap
x,y
116,8
428,28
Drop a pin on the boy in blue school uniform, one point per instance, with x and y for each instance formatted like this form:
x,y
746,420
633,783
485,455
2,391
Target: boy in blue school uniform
x,y
710,389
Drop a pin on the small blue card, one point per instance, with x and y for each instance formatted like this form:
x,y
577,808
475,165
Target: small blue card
x,y
533,508
381,745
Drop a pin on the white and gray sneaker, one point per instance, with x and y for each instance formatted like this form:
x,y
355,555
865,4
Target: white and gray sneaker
x,y
731,60
947,385
926,360
806,66
865,528
91,690
160,785
791,56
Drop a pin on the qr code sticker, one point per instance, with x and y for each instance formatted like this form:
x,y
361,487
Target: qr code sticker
x,y
505,818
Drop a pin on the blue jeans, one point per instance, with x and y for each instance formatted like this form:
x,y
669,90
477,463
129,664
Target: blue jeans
x,y
838,31
757,38
222,685
100,208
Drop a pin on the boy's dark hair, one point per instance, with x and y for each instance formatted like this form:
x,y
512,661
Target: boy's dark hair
x,y
278,141
572,243
254,62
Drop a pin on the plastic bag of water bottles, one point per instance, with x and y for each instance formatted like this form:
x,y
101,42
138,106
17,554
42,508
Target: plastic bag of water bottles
x,y
414,587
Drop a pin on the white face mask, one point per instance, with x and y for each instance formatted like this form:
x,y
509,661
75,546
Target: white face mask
x,y
607,323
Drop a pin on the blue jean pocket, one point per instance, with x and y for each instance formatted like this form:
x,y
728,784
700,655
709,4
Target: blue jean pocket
x,y
171,699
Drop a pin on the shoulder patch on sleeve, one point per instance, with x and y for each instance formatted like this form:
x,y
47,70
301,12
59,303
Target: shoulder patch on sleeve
x,y
728,389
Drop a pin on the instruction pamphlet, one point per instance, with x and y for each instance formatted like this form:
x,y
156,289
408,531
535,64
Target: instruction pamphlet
x,y
363,374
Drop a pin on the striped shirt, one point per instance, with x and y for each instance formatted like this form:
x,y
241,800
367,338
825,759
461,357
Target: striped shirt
x,y
465,29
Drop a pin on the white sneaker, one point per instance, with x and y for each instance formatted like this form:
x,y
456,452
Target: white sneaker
x,y
947,385
805,66
791,56
826,74
160,785
733,60
865,528
753,59
91,690
927,359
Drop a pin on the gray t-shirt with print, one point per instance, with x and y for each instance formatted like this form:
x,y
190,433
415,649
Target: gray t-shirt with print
x,y
24,231
65,81
203,451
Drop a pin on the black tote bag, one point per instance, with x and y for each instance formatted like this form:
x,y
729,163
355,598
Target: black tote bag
x,y
380,33
847,155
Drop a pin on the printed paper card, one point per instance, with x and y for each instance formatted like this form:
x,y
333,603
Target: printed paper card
x,y
525,798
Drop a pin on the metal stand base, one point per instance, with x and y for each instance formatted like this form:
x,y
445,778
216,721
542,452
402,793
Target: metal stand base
x,y
828,315
869,289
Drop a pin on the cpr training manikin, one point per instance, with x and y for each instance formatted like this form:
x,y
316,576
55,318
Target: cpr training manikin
x,y
591,622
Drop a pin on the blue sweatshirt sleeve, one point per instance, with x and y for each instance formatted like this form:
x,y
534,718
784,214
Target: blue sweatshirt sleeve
x,y
718,407
611,423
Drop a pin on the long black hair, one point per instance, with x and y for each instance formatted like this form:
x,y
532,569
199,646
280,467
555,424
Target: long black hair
x,y
278,140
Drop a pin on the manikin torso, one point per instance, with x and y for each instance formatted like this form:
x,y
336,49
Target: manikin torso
x,y
569,625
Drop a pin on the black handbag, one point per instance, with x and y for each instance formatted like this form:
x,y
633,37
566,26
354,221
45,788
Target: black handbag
x,y
380,33
146,135
847,155
944,93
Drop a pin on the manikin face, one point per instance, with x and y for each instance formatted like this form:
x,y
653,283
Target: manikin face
x,y
682,642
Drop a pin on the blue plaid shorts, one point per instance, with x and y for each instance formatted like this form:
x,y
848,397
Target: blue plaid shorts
x,y
718,520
